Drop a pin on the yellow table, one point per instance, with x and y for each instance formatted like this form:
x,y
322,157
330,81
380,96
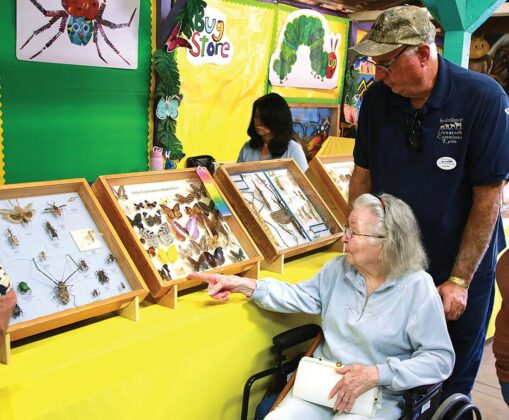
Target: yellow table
x,y
190,363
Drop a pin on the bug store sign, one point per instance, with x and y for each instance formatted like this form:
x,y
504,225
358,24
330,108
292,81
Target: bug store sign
x,y
82,32
210,42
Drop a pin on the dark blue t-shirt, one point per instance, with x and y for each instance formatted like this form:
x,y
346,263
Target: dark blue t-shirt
x,y
465,143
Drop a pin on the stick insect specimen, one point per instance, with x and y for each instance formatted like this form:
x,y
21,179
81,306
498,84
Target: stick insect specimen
x,y
12,238
61,288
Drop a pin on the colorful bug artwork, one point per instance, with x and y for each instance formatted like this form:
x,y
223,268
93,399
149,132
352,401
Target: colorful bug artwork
x,y
83,22
168,106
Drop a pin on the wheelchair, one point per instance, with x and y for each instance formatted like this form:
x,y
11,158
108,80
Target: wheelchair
x,y
421,403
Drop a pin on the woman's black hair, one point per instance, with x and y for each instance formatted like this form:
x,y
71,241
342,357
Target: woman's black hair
x,y
275,115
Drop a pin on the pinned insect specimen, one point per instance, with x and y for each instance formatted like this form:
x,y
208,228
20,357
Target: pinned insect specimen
x,y
17,312
122,285
164,234
83,266
178,230
42,256
102,276
151,251
213,241
12,238
18,214
120,193
90,236
111,259
219,256
206,260
54,209
136,221
24,288
192,227
238,256
138,206
165,273
95,293
61,288
184,199
198,191
73,198
172,213
206,209
169,255
150,205
153,220
51,230
149,237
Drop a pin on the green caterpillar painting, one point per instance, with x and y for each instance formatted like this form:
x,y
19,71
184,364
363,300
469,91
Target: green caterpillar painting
x,y
308,31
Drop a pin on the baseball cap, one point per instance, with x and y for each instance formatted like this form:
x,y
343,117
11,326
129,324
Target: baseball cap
x,y
395,27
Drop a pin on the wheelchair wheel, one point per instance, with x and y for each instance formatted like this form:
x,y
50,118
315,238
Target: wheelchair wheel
x,y
455,407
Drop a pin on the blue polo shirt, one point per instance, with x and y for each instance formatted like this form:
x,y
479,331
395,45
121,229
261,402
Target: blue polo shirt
x,y
465,137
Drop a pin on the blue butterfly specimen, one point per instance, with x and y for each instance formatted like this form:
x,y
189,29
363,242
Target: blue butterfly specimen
x,y
168,107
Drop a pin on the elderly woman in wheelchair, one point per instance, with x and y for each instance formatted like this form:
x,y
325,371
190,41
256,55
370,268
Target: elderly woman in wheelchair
x,y
381,314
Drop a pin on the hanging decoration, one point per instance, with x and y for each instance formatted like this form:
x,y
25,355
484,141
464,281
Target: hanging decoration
x,y
168,96
306,53
82,32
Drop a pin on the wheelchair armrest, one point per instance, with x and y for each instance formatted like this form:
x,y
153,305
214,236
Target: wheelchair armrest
x,y
422,393
295,336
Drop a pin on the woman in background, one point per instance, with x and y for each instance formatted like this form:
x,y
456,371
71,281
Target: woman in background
x,y
271,130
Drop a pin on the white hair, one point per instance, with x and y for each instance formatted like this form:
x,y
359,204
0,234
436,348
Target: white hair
x,y
402,249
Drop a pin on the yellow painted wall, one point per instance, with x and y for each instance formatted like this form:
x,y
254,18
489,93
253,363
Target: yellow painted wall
x,y
218,99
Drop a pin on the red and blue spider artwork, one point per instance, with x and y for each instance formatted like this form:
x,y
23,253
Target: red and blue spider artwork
x,y
81,20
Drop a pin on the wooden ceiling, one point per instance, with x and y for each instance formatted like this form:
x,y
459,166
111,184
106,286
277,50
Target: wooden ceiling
x,y
358,5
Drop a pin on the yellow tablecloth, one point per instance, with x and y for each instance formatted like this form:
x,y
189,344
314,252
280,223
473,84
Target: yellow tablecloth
x,y
188,363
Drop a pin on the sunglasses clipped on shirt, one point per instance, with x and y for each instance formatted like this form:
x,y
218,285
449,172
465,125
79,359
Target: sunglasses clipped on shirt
x,y
413,132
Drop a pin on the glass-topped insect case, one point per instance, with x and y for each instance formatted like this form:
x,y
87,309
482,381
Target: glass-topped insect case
x,y
279,207
331,177
63,257
175,223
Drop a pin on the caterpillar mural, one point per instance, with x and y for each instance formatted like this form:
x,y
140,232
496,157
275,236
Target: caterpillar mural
x,y
308,31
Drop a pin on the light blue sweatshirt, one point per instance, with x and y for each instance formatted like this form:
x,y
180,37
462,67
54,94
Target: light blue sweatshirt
x,y
294,151
400,327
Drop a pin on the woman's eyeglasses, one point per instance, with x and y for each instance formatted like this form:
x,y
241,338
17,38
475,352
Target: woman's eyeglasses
x,y
385,67
349,234
413,131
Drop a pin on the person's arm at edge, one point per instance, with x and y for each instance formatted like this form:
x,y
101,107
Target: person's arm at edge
x,y
360,183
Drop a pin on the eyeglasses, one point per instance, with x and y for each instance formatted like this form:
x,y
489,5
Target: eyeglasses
x,y
385,67
349,234
413,130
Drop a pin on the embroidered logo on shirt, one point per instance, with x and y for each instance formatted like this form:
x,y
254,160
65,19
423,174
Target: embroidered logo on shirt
x,y
451,130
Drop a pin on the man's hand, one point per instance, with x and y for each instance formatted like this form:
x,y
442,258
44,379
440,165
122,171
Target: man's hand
x,y
454,299
356,380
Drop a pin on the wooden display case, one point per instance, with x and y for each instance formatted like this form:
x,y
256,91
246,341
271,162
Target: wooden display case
x,y
279,207
63,257
331,177
176,197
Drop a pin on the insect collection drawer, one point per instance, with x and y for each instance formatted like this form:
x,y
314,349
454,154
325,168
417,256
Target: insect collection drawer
x,y
279,207
63,258
331,177
175,223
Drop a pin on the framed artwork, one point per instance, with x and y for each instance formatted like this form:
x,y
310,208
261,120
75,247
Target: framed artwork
x,y
63,258
280,208
331,176
82,32
312,125
175,223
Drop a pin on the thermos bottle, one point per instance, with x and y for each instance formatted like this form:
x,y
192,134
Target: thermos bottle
x,y
157,161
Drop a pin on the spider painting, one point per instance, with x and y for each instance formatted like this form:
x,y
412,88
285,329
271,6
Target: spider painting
x,y
83,22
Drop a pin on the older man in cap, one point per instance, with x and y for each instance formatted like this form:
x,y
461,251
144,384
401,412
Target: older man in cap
x,y
437,136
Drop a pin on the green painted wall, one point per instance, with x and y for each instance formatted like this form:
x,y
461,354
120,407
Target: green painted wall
x,y
63,121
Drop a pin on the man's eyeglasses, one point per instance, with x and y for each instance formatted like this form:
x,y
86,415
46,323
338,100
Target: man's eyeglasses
x,y
413,131
349,234
385,67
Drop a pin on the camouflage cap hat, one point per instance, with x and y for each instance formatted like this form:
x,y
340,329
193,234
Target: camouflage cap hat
x,y
402,25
